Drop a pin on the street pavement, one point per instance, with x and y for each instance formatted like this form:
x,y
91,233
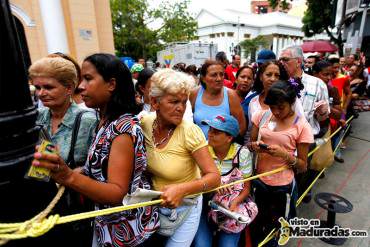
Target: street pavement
x,y
350,180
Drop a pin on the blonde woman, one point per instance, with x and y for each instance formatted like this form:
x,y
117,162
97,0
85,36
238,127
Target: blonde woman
x,y
178,156
55,80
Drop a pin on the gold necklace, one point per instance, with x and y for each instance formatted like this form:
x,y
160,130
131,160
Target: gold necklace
x,y
164,139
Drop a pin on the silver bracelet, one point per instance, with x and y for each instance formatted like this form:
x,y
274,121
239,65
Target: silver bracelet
x,y
294,163
204,186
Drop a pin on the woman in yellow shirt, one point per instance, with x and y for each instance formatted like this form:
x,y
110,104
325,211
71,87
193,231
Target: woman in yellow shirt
x,y
178,156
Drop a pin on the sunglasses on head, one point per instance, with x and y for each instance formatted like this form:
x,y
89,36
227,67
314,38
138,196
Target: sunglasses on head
x,y
221,118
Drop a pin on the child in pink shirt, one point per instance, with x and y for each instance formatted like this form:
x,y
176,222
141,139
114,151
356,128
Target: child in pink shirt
x,y
277,134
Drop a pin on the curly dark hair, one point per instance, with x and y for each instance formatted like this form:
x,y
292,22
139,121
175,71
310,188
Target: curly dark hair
x,y
122,99
258,85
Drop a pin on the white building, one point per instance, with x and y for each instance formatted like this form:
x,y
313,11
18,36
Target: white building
x,y
227,28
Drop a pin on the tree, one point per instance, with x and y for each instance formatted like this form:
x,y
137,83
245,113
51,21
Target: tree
x,y
133,37
318,18
250,46
283,4
178,23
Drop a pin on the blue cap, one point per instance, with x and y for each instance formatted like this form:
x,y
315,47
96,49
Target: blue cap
x,y
225,123
265,55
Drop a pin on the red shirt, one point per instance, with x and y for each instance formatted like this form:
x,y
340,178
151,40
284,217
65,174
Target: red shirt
x,y
339,83
230,72
228,84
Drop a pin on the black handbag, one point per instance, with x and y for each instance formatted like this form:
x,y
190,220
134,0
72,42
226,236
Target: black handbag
x,y
73,202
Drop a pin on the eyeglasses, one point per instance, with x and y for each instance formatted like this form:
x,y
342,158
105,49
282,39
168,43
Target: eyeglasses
x,y
286,59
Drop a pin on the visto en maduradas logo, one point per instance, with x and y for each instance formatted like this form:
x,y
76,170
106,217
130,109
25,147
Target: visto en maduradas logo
x,y
310,228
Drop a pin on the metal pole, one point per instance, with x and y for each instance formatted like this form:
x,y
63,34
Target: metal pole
x,y
363,21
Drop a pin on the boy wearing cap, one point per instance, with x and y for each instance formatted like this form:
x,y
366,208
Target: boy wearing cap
x,y
223,130
135,70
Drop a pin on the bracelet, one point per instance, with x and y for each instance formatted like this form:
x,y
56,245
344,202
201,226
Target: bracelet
x,y
294,163
291,163
204,186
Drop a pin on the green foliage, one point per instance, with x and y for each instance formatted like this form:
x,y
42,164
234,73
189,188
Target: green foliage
x,y
250,46
318,18
178,24
283,4
133,37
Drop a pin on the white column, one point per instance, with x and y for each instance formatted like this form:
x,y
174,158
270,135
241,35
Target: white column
x,y
54,26
275,45
294,41
286,42
280,46
290,43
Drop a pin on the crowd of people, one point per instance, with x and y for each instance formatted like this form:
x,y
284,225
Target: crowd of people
x,y
184,131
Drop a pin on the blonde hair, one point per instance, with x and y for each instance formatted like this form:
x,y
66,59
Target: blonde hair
x,y
58,68
170,81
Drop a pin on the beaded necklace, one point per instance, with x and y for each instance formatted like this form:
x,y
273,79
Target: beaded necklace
x,y
164,139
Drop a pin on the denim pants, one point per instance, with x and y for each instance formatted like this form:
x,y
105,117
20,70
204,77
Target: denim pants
x,y
184,235
204,236
335,142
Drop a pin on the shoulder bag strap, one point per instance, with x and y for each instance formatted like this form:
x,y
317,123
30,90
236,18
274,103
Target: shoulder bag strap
x,y
76,126
264,118
236,159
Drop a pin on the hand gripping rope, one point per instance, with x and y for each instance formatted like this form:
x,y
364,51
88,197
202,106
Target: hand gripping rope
x,y
40,224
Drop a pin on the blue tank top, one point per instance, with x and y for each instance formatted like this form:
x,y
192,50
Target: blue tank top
x,y
207,112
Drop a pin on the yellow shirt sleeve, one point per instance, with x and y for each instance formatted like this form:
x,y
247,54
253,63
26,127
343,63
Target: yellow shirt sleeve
x,y
194,137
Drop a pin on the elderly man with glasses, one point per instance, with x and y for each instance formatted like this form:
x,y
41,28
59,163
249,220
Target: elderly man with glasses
x,y
315,100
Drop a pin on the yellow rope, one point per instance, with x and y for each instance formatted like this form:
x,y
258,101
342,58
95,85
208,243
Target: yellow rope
x,y
39,225
34,227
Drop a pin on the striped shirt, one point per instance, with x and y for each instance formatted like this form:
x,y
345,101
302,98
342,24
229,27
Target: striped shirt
x,y
225,165
314,91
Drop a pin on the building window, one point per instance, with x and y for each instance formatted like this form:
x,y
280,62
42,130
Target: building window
x,y
247,35
212,35
223,34
230,34
261,9
234,25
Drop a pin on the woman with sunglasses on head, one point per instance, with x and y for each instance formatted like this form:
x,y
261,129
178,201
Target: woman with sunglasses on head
x,y
116,159
277,133
268,73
